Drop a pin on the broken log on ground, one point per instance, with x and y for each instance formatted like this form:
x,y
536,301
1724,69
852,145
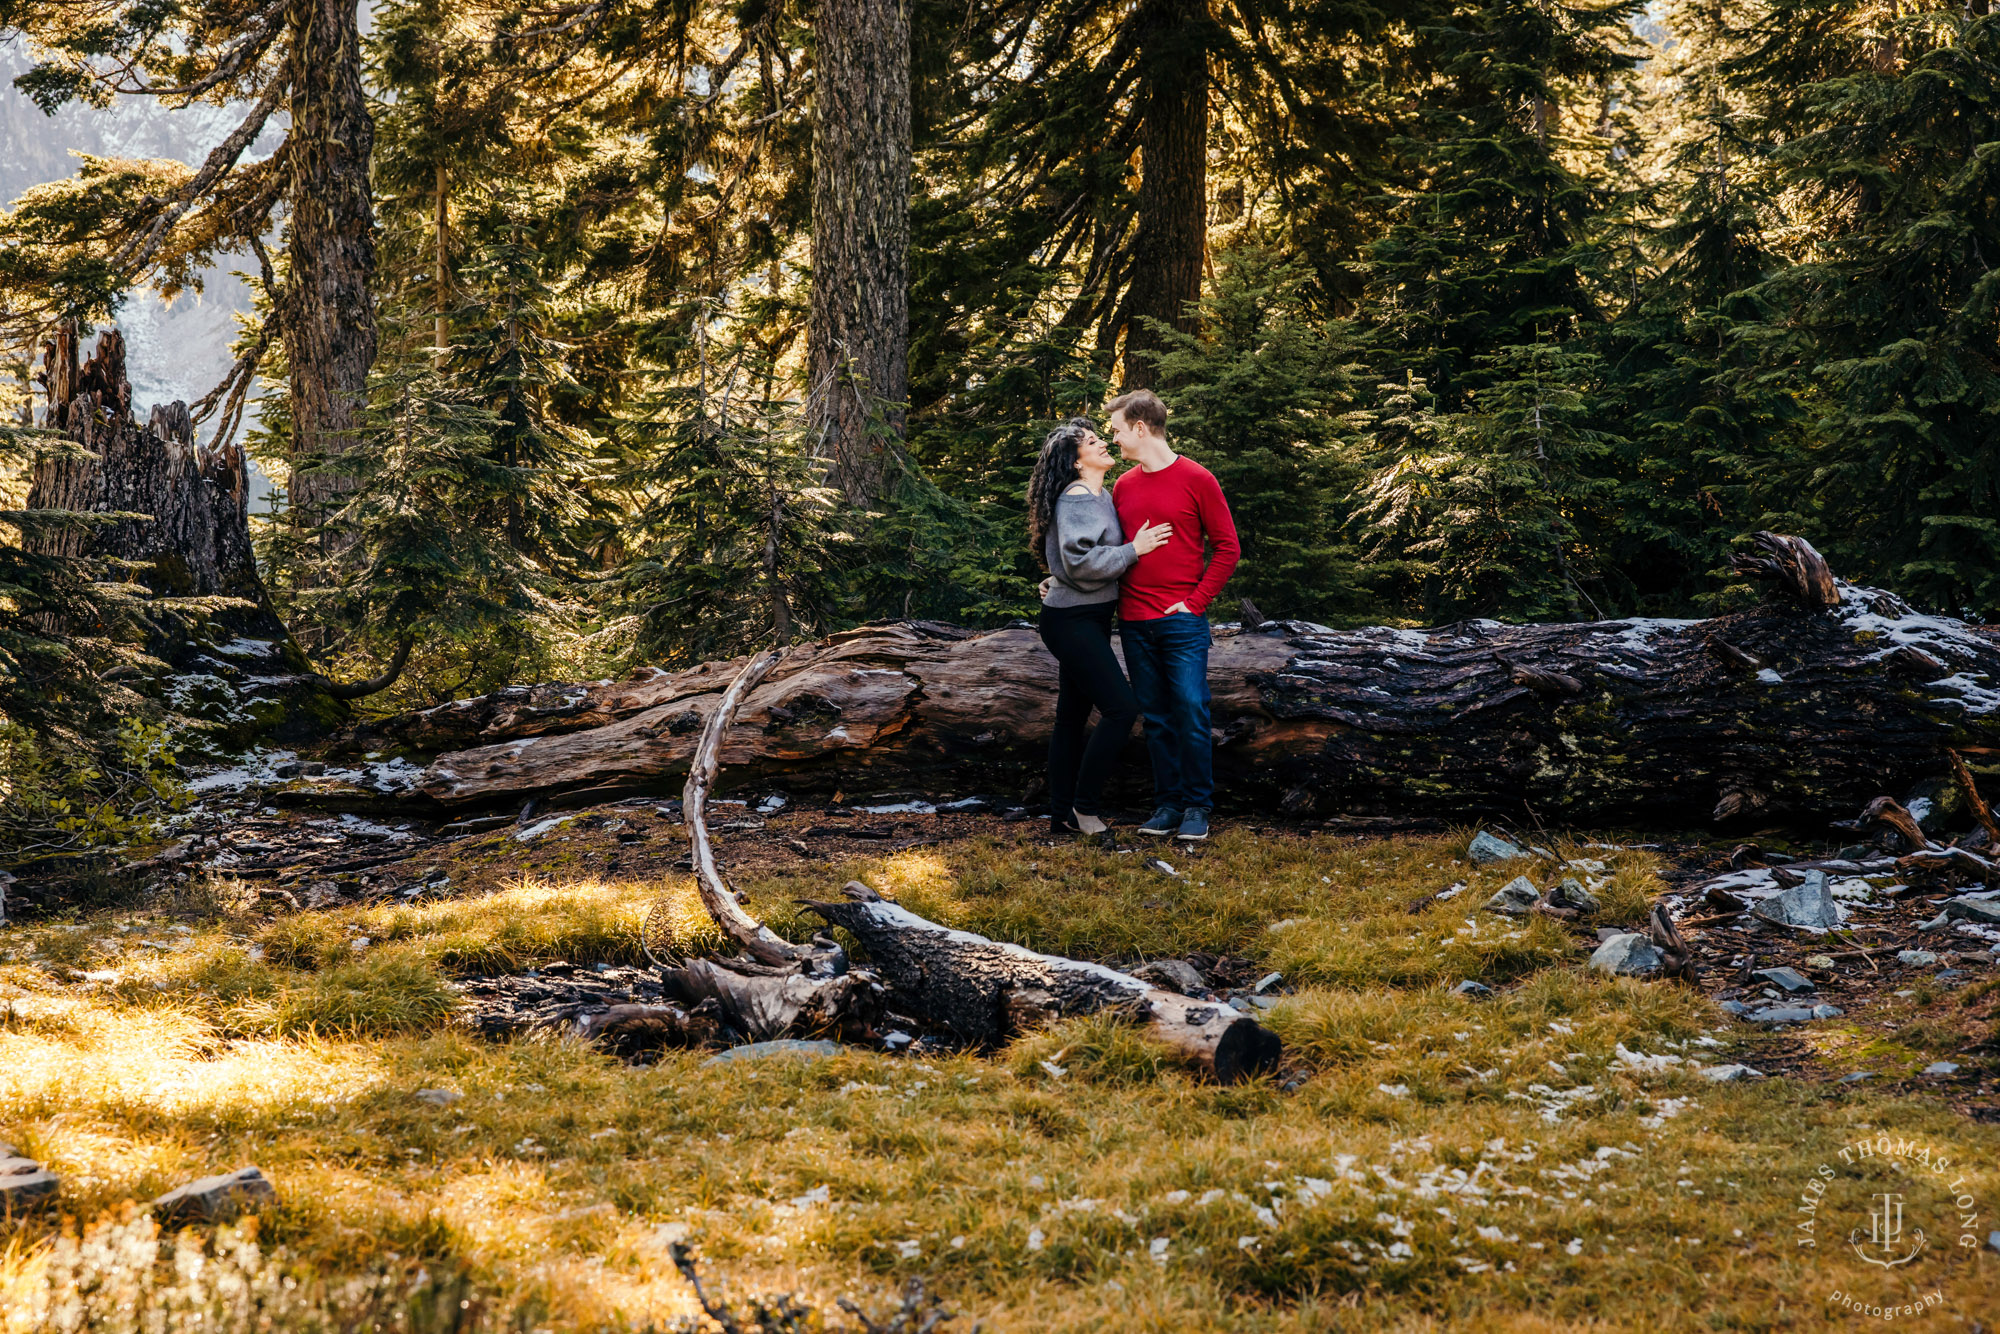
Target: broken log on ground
x,y
1628,719
983,991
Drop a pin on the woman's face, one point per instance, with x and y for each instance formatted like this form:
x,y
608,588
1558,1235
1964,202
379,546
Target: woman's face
x,y
1092,453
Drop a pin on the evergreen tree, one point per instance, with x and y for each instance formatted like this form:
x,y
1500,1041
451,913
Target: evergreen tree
x,y
1486,287
1882,123
1256,399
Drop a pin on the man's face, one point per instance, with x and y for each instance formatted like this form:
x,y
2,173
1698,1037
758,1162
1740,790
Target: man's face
x,y
1128,436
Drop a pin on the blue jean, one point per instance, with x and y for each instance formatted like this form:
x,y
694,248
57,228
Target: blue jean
x,y
1167,659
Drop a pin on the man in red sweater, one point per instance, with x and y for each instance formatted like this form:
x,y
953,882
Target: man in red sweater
x,y
1163,608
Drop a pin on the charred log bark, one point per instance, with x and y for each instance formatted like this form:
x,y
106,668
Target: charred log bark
x,y
1594,721
986,990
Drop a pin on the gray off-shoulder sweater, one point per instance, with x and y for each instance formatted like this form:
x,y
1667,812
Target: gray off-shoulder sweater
x,y
1086,550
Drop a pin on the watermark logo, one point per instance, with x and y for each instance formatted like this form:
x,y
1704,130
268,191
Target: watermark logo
x,y
1918,1210
1885,1233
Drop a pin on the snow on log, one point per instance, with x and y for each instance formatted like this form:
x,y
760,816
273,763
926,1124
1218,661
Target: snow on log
x,y
1809,704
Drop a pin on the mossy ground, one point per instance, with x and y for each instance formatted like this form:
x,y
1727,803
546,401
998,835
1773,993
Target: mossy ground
x,y
1446,1163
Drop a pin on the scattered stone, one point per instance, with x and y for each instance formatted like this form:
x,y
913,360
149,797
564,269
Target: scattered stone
x,y
1515,898
896,1039
1730,1074
1628,955
1820,963
1543,853
1735,1007
1826,1012
1472,990
1572,895
1941,1068
1786,979
1808,904
213,1199
1164,868
1286,924
1605,933
1173,975
1949,974
759,1051
1263,1002
1986,912
1784,1014
1916,958
1486,849
438,1097
1267,981
1856,1077
23,1181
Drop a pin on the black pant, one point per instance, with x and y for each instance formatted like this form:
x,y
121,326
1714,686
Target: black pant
x,y
1080,638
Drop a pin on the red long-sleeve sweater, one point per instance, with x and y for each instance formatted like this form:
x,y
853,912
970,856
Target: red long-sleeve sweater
x,y
1186,495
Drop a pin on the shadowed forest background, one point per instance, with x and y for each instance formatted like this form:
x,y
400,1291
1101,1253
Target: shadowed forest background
x,y
1506,308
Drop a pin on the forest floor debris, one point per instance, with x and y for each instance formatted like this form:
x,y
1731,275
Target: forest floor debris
x,y
1428,1152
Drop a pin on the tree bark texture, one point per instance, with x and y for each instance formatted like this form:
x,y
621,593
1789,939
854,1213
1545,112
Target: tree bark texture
x,y
987,990
859,326
1171,241
240,669
1776,711
326,310
197,541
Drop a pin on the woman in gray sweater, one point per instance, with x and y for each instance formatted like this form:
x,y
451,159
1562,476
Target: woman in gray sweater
x,y
1073,530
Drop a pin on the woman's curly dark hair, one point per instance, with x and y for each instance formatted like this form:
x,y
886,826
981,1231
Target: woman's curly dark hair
x,y
1055,470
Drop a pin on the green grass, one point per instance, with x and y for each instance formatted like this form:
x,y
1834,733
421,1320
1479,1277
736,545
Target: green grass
x,y
1439,1163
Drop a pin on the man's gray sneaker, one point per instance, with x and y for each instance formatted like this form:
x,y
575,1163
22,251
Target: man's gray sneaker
x,y
1194,824
1166,820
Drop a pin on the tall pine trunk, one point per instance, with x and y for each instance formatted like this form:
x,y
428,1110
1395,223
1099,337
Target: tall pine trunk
x,y
1172,238
859,329
327,313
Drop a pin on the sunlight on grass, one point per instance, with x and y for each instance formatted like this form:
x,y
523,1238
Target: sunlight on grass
x,y
1445,1163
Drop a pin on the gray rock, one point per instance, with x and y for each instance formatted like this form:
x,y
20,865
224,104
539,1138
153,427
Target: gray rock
x,y
1984,911
1916,958
1486,849
1856,1077
1515,898
1782,1014
1941,1068
438,1097
23,1181
896,1040
1472,990
1173,975
1267,981
1826,1012
1628,955
1786,979
1730,1074
1993,1240
1263,1002
1809,905
213,1199
1735,1007
1950,974
1605,933
760,1051
1571,894
1543,853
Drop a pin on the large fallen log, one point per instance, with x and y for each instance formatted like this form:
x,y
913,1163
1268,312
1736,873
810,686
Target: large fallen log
x,y
1807,705
983,991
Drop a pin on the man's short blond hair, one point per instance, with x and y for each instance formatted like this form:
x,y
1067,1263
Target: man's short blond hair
x,y
1142,405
